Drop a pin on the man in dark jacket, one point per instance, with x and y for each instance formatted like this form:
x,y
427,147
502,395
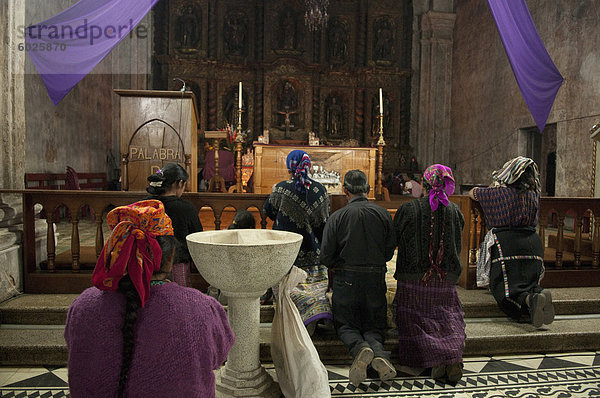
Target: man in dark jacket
x,y
357,242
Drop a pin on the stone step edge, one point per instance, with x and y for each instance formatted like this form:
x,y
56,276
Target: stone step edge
x,y
564,339
57,316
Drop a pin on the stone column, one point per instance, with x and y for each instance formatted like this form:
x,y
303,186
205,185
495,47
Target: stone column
x,y
12,149
12,100
435,83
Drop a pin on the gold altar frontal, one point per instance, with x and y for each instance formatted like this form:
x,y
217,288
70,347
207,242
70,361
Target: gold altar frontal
x,y
329,165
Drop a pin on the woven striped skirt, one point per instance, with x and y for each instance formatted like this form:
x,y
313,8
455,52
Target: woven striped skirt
x,y
517,266
309,296
431,326
181,274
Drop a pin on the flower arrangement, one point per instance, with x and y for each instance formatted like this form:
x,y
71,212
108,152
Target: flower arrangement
x,y
230,142
231,136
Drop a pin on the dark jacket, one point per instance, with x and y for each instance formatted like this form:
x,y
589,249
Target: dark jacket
x,y
358,235
412,224
184,217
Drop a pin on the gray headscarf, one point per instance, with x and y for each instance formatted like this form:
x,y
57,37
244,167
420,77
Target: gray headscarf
x,y
512,171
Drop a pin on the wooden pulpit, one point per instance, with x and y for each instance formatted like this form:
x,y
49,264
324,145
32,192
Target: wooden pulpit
x,y
156,128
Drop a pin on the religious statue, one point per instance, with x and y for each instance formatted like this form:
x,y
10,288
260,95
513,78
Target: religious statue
x,y
313,140
288,96
188,29
333,117
287,122
248,158
384,40
287,105
414,165
337,40
235,33
231,108
287,30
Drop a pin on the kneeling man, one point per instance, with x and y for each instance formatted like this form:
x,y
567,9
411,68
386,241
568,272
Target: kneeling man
x,y
357,242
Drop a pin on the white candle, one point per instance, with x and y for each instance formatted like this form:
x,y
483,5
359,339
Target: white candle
x,y
240,97
380,101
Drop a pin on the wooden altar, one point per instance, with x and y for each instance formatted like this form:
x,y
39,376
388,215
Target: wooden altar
x,y
270,167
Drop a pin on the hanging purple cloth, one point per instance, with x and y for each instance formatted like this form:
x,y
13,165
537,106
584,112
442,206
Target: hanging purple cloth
x,y
66,47
536,74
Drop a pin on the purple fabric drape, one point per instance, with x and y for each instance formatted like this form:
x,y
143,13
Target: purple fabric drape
x,y
536,74
66,47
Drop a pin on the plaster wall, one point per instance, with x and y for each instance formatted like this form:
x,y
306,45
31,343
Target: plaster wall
x,y
83,128
78,131
488,109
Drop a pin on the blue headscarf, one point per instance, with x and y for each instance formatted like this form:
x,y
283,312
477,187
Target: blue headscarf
x,y
298,162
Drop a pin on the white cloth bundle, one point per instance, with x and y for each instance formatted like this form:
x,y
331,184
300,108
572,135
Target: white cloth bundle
x,y
300,372
484,260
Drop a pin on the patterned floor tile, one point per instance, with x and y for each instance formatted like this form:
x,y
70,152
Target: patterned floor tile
x,y
6,373
62,373
47,379
528,363
573,375
496,365
557,363
24,374
475,366
584,358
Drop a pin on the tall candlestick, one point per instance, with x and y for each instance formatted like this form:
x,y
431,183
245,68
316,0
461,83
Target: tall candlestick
x,y
380,101
240,97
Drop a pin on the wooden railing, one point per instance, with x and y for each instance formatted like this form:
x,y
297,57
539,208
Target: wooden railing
x,y
570,258
574,261
71,277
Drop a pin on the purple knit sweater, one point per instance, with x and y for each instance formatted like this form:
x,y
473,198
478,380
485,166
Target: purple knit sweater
x,y
181,336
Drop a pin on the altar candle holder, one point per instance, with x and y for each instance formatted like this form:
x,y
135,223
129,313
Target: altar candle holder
x,y
238,149
381,141
380,145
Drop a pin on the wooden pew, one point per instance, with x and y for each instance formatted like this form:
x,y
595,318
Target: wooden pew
x,y
92,181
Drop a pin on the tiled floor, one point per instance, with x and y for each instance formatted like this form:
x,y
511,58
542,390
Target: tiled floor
x,y
525,376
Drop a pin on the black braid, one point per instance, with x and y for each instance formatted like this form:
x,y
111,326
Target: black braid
x,y
526,181
131,307
132,304
168,175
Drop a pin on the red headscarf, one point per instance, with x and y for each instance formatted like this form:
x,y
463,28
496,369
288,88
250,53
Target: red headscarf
x,y
131,248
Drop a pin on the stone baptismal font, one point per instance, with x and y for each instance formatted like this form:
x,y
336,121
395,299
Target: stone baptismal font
x,y
243,264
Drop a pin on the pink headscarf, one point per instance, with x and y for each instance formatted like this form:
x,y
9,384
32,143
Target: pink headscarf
x,y
442,184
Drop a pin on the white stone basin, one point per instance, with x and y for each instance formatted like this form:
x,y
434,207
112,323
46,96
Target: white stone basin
x,y
244,260
244,263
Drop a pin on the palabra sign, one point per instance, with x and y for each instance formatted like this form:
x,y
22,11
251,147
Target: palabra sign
x,y
145,153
